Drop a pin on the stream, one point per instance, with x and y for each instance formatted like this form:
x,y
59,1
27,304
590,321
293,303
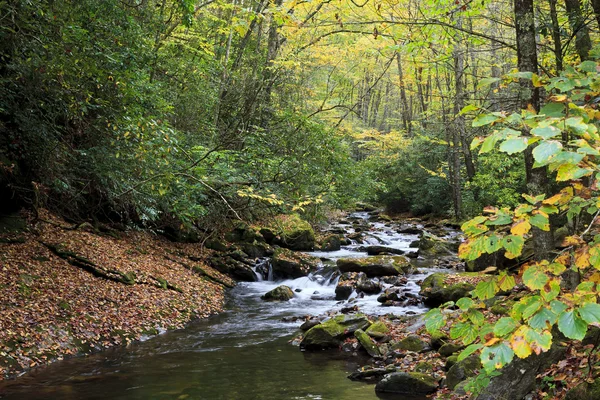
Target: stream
x,y
243,353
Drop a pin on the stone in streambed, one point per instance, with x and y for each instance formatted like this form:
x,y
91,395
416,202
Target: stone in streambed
x,y
330,333
436,292
331,243
449,349
378,330
375,266
287,264
377,250
280,293
409,383
366,342
411,343
462,370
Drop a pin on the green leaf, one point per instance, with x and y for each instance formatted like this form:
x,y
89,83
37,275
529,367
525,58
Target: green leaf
x,y
484,119
577,125
513,244
543,319
553,110
464,331
434,320
531,306
487,82
539,341
465,303
514,145
569,171
504,326
534,278
544,152
546,132
571,325
476,317
540,221
470,349
590,312
594,252
489,143
588,66
493,244
486,289
496,357
468,108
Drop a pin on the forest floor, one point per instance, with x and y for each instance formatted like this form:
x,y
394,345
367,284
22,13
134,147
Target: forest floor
x,y
68,290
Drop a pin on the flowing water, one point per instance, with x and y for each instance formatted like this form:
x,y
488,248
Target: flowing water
x,y
242,353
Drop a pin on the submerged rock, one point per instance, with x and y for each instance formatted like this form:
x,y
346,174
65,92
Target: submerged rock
x,y
280,293
287,264
410,383
375,266
330,333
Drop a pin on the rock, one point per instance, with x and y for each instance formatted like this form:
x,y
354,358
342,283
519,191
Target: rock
x,y
410,383
431,245
449,349
244,233
462,370
268,234
371,374
280,293
438,339
232,267
424,367
287,264
410,230
257,249
450,361
297,234
367,285
365,207
310,323
217,245
366,342
330,333
377,250
435,292
331,243
412,343
375,266
378,330
343,290
585,391
518,377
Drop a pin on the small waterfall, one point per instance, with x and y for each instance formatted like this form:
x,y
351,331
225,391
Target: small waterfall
x,y
270,273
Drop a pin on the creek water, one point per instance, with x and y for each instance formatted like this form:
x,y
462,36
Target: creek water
x,y
242,353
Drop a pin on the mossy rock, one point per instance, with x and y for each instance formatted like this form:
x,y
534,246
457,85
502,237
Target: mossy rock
x,y
366,342
12,223
289,231
438,339
585,391
431,245
436,292
376,266
216,245
424,367
411,343
287,264
378,330
409,383
330,333
280,293
331,243
244,233
450,361
462,370
449,349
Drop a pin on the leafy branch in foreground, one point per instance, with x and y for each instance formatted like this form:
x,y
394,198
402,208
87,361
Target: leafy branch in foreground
x,y
564,137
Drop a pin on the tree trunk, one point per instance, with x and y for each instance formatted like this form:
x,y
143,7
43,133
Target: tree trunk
x,y
596,7
558,55
537,178
583,44
406,122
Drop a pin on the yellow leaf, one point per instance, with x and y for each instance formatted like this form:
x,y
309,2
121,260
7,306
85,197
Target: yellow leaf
x,y
518,343
492,342
520,228
582,257
572,241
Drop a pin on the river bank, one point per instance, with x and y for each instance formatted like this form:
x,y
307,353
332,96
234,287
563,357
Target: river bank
x,y
67,290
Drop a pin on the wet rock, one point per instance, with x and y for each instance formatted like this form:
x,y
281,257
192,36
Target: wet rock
x,y
330,333
365,207
244,233
287,264
367,285
414,244
280,293
518,377
410,230
371,374
232,267
366,342
310,323
449,349
438,339
409,383
450,361
424,367
377,250
435,291
256,249
412,343
343,291
331,243
431,245
375,266
462,370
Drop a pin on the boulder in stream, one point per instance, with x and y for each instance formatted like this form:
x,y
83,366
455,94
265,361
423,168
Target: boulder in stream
x,y
287,264
409,383
366,342
331,243
431,245
331,333
280,293
377,250
375,266
435,291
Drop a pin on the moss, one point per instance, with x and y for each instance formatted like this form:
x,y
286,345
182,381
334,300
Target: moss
x,y
449,349
424,367
366,342
378,330
411,343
